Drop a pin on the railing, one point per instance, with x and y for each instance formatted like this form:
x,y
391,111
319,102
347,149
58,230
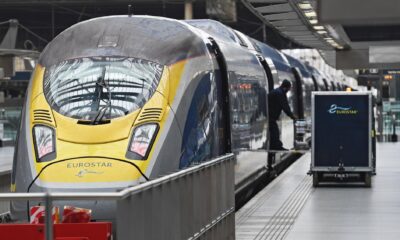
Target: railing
x,y
9,123
194,203
390,118
5,182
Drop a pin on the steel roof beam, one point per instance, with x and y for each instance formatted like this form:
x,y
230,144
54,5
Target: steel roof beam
x,y
277,8
287,23
268,1
292,28
307,38
298,33
282,16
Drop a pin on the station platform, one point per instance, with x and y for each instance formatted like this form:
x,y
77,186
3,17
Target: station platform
x,y
6,158
290,208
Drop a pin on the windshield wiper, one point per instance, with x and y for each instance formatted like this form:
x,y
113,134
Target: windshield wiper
x,y
99,116
101,112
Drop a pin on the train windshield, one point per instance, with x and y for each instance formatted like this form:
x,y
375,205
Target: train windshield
x,y
93,88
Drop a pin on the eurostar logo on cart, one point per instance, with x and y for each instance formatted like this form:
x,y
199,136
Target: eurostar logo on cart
x,y
340,110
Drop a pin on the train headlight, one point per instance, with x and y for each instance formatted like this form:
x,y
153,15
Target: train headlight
x,y
142,140
45,144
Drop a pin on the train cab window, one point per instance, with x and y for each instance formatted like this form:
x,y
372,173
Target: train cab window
x,y
110,87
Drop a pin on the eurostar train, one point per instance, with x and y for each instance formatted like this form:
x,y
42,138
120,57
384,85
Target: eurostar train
x,y
116,101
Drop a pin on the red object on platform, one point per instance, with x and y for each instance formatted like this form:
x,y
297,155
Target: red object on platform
x,y
37,214
71,231
76,215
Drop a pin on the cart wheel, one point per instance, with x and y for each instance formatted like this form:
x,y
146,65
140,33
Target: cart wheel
x,y
315,179
367,180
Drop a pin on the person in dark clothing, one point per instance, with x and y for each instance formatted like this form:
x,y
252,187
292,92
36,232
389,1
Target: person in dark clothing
x,y
277,101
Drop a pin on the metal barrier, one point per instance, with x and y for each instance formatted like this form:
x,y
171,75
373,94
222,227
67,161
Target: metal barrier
x,y
195,203
5,182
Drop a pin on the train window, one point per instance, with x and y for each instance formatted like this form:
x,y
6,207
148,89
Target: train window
x,y
100,87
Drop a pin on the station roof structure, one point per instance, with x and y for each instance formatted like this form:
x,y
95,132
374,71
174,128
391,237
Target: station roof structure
x,y
295,20
350,34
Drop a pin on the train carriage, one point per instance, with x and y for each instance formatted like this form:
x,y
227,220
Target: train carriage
x,y
317,78
116,101
284,71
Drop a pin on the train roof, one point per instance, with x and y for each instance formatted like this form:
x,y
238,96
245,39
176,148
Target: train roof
x,y
317,75
314,71
297,63
227,34
156,39
279,61
215,29
322,75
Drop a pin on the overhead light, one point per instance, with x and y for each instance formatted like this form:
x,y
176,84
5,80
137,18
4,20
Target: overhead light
x,y
304,6
322,32
313,21
310,14
328,39
336,45
319,27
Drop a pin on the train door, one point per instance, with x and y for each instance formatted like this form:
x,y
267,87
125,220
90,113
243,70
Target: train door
x,y
299,93
270,82
223,91
247,98
268,72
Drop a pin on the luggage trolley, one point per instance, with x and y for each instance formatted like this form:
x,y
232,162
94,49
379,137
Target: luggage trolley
x,y
341,137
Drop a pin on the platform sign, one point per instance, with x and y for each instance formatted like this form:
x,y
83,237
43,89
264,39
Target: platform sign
x,y
341,131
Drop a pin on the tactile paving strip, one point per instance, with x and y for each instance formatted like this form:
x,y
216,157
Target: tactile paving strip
x,y
280,223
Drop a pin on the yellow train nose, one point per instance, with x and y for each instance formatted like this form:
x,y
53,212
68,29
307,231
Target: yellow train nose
x,y
91,170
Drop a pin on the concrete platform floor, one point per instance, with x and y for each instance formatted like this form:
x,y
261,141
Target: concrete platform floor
x,y
290,208
6,158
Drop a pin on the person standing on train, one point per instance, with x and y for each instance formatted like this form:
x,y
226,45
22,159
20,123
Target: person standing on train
x,y
277,101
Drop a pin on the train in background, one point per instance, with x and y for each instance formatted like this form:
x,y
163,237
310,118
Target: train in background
x,y
116,101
